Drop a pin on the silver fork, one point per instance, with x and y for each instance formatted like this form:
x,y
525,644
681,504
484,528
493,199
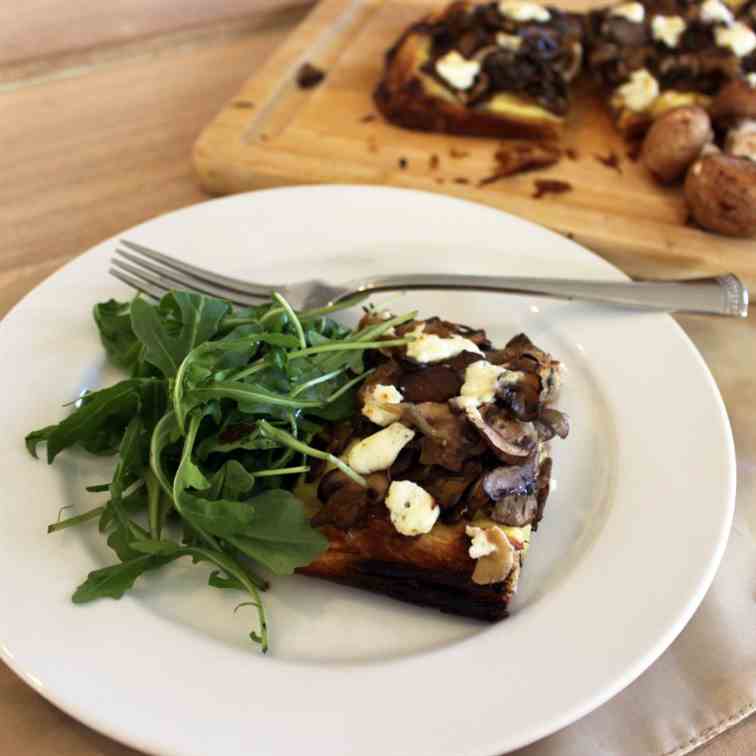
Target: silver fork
x,y
155,273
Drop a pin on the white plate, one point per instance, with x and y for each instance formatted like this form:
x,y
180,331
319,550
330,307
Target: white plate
x,y
633,532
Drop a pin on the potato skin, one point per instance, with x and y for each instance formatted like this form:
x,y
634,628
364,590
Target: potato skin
x,y
721,194
674,141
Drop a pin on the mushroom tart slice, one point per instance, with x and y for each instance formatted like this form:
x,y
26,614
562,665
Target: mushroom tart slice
x,y
497,69
451,470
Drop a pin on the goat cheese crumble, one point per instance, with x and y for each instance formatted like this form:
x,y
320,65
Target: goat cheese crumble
x,y
520,10
413,510
457,70
668,29
638,93
427,347
480,546
738,38
634,12
381,394
379,450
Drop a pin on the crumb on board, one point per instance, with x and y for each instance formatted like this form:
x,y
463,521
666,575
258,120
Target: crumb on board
x,y
440,180
461,180
433,162
550,186
264,137
571,153
372,145
244,104
610,160
403,163
368,118
634,150
309,76
457,154
520,156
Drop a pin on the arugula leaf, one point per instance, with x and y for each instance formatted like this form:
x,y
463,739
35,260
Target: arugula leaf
x,y
166,433
232,481
342,408
252,440
133,503
236,575
100,422
115,580
279,535
37,437
214,357
250,398
213,427
130,467
114,324
181,322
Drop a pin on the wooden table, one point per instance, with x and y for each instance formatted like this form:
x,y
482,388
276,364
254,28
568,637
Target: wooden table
x,y
99,106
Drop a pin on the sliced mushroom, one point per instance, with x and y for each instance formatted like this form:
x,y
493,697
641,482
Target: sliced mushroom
x,y
515,479
552,423
345,502
543,485
521,354
510,440
435,383
447,489
496,566
516,510
461,361
513,491
406,459
447,439
522,396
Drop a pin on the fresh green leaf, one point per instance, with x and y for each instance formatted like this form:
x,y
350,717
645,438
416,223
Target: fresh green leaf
x,y
166,433
37,437
212,358
100,421
278,534
168,550
218,580
114,324
250,397
167,340
232,481
115,580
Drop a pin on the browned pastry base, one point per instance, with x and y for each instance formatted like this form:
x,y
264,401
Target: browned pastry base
x,y
408,97
408,106
429,570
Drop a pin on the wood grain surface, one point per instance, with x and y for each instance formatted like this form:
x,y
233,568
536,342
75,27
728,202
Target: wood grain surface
x,y
90,150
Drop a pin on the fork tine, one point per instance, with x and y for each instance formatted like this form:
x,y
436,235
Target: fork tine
x,y
173,279
135,283
164,282
215,279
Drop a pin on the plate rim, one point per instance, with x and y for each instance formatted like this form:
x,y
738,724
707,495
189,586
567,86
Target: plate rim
x,y
104,723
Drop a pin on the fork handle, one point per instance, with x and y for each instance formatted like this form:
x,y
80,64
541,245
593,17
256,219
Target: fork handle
x,y
715,295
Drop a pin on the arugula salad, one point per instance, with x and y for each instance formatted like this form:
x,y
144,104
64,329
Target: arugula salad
x,y
211,430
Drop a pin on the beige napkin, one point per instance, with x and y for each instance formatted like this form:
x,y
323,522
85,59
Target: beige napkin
x,y
706,681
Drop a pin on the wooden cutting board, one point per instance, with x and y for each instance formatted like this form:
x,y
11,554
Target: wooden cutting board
x,y
274,133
